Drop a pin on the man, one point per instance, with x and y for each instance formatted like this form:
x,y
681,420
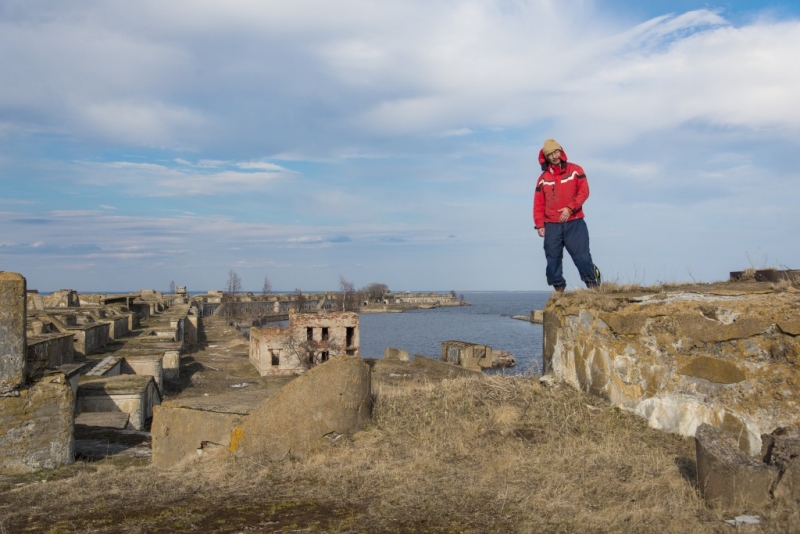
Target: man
x,y
558,201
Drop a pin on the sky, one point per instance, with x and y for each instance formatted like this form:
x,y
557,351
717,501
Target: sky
x,y
396,142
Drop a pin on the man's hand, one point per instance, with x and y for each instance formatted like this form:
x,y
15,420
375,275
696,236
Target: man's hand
x,y
541,231
565,214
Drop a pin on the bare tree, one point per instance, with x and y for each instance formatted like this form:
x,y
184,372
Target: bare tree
x,y
299,300
172,287
347,295
267,286
234,284
374,292
310,352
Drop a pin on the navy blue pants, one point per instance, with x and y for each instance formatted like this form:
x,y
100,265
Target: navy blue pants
x,y
574,236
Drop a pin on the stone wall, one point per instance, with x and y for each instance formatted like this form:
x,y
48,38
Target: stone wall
x,y
724,354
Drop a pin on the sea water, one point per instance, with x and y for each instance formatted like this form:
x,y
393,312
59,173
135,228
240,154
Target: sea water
x,y
488,321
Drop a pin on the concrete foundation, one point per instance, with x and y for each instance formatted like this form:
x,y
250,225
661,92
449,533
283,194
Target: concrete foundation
x,y
131,394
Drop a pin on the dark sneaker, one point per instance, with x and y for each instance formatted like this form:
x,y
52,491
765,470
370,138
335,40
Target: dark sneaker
x,y
597,275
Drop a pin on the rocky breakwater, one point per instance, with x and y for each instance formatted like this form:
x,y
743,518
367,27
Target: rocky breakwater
x,y
722,354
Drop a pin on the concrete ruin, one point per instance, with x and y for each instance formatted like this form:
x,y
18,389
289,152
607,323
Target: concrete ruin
x,y
309,340
51,375
723,354
134,395
307,413
390,353
475,356
445,368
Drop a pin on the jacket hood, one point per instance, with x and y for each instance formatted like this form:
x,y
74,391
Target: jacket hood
x,y
543,160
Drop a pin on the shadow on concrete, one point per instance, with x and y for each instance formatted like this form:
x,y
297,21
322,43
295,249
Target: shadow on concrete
x,y
94,443
189,367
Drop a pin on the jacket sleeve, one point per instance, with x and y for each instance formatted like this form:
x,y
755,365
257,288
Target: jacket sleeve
x,y
581,191
538,205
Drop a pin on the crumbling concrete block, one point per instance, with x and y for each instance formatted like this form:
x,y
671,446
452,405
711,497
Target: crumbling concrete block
x,y
34,301
143,364
36,427
727,477
318,407
13,343
467,355
449,369
171,364
192,326
63,298
180,430
395,354
48,351
183,428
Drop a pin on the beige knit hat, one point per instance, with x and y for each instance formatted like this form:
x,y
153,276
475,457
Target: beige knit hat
x,y
551,146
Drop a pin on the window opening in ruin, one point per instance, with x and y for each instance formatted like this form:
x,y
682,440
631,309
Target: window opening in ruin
x,y
350,352
309,333
324,333
325,354
452,354
274,357
350,334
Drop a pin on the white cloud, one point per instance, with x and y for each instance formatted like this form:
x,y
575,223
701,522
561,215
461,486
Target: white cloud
x,y
396,122
261,165
151,76
203,179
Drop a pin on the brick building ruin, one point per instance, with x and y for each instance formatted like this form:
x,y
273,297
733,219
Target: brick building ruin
x,y
309,340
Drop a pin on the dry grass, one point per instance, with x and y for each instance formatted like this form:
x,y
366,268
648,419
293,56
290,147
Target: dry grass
x,y
498,454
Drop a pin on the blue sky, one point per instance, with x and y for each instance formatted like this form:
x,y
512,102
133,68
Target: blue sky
x,y
392,141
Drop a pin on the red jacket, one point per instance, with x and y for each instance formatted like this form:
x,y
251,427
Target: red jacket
x,y
559,186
